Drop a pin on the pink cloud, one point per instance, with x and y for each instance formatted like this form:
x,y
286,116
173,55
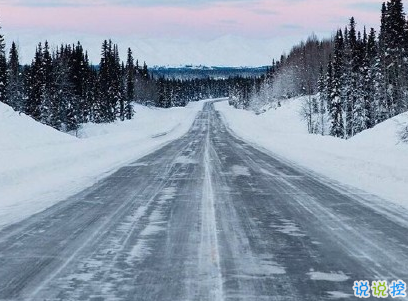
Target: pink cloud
x,y
267,18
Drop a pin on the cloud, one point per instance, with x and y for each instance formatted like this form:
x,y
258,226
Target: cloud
x,y
229,22
267,12
48,3
187,18
135,3
366,6
291,26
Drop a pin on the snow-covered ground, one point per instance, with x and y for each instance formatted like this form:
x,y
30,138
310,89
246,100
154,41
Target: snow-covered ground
x,y
375,160
40,166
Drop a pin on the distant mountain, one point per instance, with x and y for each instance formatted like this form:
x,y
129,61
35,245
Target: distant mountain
x,y
190,71
223,51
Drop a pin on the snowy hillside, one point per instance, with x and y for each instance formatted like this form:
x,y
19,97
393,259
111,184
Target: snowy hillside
x,y
34,157
374,160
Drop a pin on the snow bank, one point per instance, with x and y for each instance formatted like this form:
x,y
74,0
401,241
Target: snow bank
x,y
374,160
40,166
18,131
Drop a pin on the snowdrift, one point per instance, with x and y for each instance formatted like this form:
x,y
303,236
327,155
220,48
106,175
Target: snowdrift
x,y
40,166
18,131
375,161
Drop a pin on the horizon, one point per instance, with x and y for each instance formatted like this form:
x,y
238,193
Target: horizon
x,y
219,27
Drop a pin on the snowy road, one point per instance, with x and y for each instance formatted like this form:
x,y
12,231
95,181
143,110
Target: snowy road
x,y
207,217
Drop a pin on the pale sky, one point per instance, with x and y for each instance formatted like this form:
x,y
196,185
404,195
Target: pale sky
x,y
188,20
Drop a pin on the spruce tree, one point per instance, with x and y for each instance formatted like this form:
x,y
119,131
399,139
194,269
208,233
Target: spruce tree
x,y
103,109
118,97
15,89
352,79
370,84
79,70
35,85
359,112
323,97
92,94
3,70
393,57
334,82
130,78
47,85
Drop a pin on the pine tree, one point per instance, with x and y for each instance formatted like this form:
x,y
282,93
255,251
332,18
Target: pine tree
x,y
92,94
381,77
359,114
14,89
351,79
334,83
35,85
323,98
79,70
103,110
161,93
130,85
3,70
47,85
393,56
145,72
118,96
370,84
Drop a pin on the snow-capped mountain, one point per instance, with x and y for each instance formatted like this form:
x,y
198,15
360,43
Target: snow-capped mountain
x,y
222,51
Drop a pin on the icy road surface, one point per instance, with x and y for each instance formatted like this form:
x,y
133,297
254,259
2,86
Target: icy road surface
x,y
207,217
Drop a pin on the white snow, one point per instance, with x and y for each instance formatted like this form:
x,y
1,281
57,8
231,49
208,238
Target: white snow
x,y
374,161
40,166
338,295
238,170
139,251
335,277
167,194
185,160
288,228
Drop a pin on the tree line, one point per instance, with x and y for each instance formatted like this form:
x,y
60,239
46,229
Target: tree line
x,y
62,89
293,74
178,92
355,80
366,80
